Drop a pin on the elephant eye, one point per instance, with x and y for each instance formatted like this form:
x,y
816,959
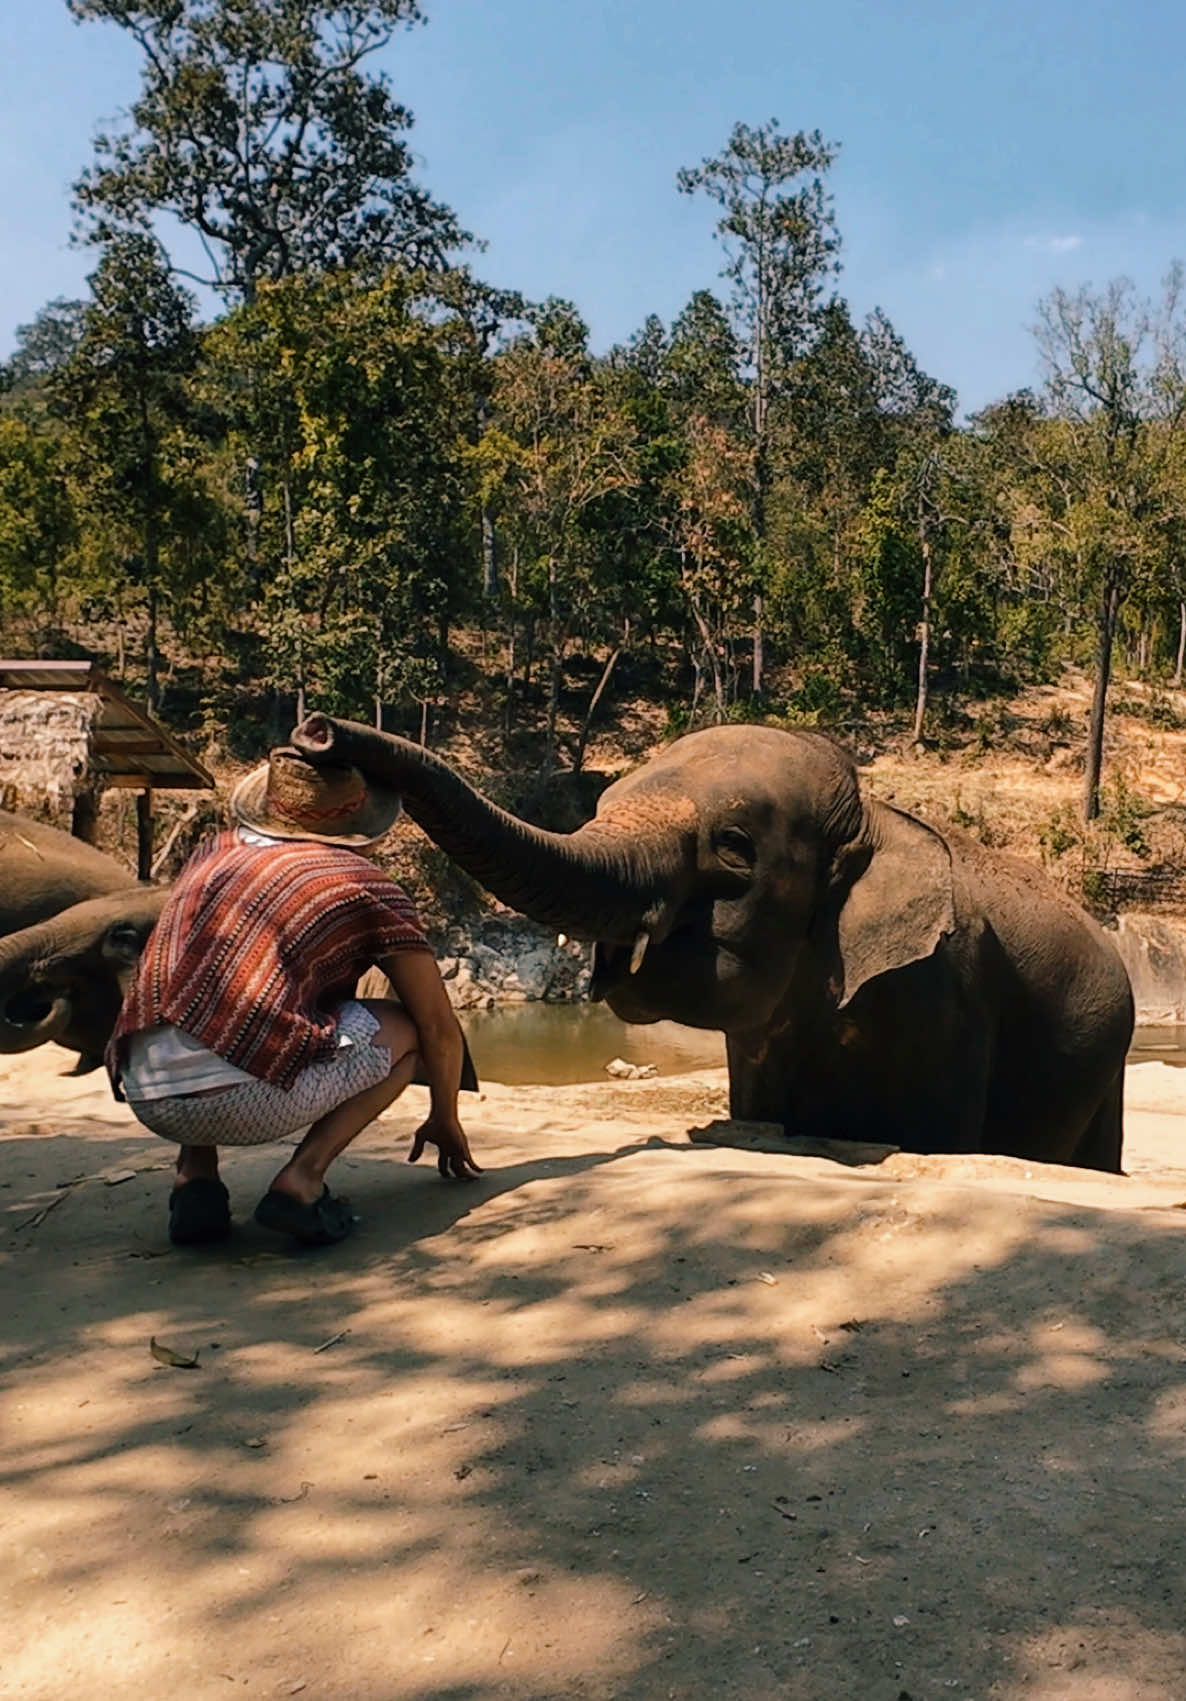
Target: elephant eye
x,y
735,849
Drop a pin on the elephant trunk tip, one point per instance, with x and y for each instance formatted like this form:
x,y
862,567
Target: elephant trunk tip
x,y
314,737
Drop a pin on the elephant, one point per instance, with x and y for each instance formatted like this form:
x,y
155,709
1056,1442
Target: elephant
x,y
64,978
43,870
876,978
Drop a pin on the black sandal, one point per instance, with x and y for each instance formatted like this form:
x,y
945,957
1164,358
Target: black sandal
x,y
199,1212
323,1223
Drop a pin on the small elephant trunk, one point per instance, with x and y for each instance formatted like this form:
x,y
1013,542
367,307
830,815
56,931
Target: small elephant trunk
x,y
31,1010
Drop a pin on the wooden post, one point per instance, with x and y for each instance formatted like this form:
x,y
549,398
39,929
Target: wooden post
x,y
84,819
144,834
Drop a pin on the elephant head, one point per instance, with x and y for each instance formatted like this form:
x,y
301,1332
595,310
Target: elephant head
x,y
64,979
706,874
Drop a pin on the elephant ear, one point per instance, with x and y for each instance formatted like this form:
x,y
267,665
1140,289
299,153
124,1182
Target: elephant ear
x,y
900,906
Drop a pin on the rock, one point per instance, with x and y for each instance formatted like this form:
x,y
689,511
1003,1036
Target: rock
x,y
623,1071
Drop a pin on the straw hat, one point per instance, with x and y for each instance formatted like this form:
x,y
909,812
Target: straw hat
x,y
288,798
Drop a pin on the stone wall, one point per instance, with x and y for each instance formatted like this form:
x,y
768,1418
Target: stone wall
x,y
510,961
1154,953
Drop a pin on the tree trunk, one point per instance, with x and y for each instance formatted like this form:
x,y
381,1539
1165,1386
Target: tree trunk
x,y
443,649
1181,644
489,555
290,563
1105,633
924,646
596,698
558,639
710,650
151,655
509,711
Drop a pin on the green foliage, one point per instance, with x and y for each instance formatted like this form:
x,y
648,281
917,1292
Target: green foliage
x,y
1059,833
781,242
818,701
131,441
38,523
259,127
351,393
1122,815
889,577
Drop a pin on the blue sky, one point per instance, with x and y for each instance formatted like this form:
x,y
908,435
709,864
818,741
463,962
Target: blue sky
x,y
990,149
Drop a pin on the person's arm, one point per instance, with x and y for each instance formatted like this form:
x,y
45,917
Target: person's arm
x,y
417,984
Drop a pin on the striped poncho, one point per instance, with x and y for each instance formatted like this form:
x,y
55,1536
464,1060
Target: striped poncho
x,y
258,945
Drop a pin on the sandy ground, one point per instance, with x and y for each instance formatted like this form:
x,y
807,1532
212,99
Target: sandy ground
x,y
629,1417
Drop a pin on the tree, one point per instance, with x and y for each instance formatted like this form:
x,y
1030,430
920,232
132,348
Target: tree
x,y
38,527
918,411
360,540
259,127
711,532
781,244
558,446
123,399
1115,370
44,345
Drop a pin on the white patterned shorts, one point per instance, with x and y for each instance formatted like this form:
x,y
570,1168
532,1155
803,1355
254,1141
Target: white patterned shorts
x,y
256,1112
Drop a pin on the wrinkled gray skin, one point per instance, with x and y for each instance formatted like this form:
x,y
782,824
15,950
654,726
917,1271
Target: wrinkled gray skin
x,y
876,979
43,870
43,874
64,978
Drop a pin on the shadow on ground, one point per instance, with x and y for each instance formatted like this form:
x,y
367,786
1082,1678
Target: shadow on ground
x,y
638,1420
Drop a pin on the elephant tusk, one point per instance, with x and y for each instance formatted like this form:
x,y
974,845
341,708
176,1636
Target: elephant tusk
x,y
639,952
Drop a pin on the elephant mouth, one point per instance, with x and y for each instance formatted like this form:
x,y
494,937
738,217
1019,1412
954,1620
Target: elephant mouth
x,y
30,1016
610,964
644,979
28,1009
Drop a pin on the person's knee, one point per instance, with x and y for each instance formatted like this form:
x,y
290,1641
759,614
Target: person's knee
x,y
396,1032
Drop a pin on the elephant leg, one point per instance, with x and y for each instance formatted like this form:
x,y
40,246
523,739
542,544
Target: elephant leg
x,y
1100,1143
84,1064
758,1084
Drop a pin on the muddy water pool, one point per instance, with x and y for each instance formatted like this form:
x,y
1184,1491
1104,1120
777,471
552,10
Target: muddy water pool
x,y
560,1044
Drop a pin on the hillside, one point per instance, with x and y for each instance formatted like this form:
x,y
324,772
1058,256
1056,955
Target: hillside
x,y
1007,770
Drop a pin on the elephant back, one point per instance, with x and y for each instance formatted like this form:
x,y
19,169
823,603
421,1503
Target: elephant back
x,y
44,870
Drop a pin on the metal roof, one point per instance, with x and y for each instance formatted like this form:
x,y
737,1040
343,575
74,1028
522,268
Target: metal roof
x,y
128,748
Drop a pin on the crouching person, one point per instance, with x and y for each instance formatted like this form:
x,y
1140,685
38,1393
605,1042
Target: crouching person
x,y
240,1026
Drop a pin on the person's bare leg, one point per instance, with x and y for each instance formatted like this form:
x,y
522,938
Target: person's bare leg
x,y
303,1176
196,1163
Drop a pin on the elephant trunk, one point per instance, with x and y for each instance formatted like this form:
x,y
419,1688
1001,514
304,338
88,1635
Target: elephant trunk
x,y
32,1010
612,880
63,979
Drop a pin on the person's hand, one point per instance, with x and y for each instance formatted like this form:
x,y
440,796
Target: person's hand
x,y
453,1154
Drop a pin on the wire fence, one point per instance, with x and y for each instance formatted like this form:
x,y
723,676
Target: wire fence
x,y
1135,888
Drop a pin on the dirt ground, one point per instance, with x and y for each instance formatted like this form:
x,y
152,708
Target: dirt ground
x,y
631,1416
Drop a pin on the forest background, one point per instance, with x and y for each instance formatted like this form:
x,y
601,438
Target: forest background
x,y
375,484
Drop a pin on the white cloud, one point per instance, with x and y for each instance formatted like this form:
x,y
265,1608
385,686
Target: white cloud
x,y
1054,244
